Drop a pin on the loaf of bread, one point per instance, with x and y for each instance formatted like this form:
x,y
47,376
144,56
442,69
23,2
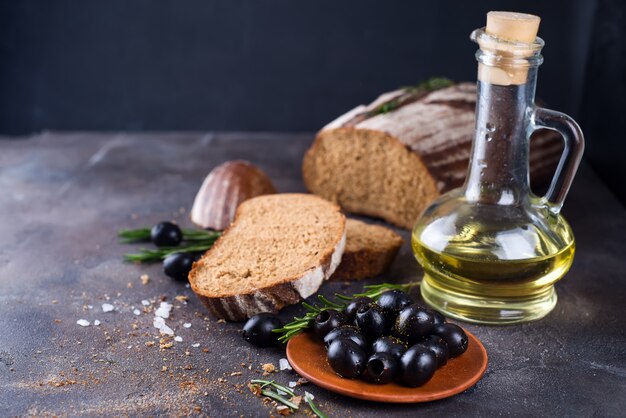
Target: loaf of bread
x,y
389,159
370,250
278,250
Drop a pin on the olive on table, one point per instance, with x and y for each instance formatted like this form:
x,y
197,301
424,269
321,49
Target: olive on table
x,y
382,368
346,332
258,330
413,323
354,306
394,300
439,347
372,321
389,345
417,366
328,320
454,336
166,234
346,358
178,265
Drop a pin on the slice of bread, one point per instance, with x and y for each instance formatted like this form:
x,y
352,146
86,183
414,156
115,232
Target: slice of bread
x,y
370,250
278,250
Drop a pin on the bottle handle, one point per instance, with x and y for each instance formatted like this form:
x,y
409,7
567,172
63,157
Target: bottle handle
x,y
574,142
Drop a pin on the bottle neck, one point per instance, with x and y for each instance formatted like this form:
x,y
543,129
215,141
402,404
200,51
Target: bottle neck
x,y
498,170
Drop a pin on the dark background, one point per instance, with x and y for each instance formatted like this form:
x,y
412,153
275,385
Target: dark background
x,y
284,65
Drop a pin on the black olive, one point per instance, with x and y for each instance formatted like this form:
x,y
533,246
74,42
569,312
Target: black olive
x,y
166,234
413,323
382,368
438,346
439,318
454,336
417,366
346,358
178,265
346,332
354,306
372,321
389,345
258,330
394,300
328,320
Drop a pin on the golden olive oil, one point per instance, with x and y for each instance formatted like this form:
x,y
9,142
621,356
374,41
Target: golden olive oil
x,y
474,278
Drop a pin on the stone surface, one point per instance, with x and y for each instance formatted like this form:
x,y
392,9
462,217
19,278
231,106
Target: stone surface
x,y
63,198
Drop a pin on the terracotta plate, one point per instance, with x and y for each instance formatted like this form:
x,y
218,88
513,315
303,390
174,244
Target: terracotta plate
x,y
308,358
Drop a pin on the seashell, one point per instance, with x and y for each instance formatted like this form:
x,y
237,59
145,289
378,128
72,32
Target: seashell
x,y
226,186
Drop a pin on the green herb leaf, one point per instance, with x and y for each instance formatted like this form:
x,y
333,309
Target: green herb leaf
x,y
314,407
300,324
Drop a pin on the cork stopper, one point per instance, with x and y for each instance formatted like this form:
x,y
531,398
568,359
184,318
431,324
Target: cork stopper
x,y
511,35
513,27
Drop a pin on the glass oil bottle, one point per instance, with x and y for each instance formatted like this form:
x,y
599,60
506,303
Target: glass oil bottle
x,y
492,250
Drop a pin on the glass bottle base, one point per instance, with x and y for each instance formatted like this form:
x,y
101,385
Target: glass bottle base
x,y
488,310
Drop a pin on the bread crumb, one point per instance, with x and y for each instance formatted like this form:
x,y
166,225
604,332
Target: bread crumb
x,y
283,410
182,298
268,368
149,343
145,279
236,374
129,285
221,321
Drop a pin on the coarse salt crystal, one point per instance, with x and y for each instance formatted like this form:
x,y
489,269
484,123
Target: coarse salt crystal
x,y
164,310
96,322
178,339
293,384
283,364
187,325
196,345
308,396
107,307
83,322
137,312
281,392
90,306
145,302
159,323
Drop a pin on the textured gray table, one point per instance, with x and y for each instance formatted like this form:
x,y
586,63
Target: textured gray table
x,y
64,196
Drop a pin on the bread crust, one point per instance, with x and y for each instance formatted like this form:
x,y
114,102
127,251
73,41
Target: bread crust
x,y
371,260
272,298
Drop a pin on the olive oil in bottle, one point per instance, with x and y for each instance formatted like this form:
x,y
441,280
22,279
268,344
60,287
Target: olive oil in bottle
x,y
491,250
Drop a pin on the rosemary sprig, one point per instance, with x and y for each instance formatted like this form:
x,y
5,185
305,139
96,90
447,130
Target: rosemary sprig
x,y
300,324
260,384
314,407
275,385
147,255
279,398
194,240
375,290
128,236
